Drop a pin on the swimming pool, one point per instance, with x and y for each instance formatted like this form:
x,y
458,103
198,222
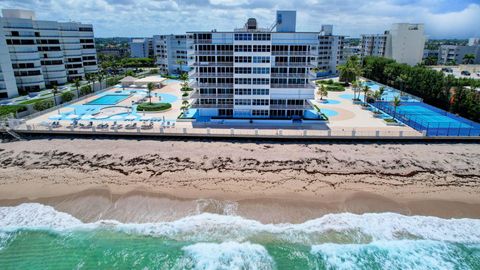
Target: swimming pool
x,y
108,100
434,121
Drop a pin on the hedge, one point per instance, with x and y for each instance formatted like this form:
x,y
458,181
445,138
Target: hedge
x,y
85,90
8,109
31,101
153,107
335,88
43,105
67,96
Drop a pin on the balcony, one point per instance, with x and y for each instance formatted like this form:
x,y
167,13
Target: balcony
x,y
214,106
216,96
210,75
291,107
291,53
213,64
305,86
290,75
202,41
211,85
293,64
213,53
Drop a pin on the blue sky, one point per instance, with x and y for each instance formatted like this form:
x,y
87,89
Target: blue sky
x,y
442,18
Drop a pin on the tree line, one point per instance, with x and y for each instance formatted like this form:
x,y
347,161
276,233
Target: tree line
x,y
457,95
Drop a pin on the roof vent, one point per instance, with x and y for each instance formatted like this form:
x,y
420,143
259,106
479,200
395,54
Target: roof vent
x,y
251,24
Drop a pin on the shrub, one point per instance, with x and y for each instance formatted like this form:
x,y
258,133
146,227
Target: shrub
x,y
8,109
154,107
154,71
113,81
43,104
335,88
85,90
67,96
30,101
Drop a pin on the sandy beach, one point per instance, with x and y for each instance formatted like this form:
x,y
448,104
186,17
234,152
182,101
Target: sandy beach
x,y
153,180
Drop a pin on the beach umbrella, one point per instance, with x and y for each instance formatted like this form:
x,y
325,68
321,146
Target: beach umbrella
x,y
130,117
72,116
55,117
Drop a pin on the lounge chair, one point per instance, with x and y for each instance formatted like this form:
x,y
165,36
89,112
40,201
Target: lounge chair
x,y
147,126
131,126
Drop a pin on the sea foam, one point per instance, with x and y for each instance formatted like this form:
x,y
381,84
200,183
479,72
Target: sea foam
x,y
205,227
228,255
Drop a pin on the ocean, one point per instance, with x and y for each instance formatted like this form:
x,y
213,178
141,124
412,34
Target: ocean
x,y
36,236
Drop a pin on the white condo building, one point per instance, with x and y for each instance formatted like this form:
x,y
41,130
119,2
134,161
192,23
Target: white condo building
x,y
404,43
171,53
36,54
255,72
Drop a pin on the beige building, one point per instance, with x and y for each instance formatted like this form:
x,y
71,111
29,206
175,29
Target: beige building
x,y
404,43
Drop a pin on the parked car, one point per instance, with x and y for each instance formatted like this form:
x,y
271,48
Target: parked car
x,y
465,73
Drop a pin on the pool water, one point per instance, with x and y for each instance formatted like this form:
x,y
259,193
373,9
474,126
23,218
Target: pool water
x,y
346,96
329,112
390,93
330,101
108,100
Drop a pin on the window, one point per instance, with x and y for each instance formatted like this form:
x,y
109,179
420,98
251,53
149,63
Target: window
x,y
258,70
260,102
243,59
261,48
261,36
243,81
243,91
225,91
243,48
243,36
243,70
260,91
259,112
15,34
261,59
260,81
243,102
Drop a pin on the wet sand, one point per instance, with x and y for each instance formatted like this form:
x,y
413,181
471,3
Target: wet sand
x,y
151,181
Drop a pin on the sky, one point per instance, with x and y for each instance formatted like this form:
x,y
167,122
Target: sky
x,y
144,18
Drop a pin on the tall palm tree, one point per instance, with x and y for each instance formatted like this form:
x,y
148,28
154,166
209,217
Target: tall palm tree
x,y
76,82
469,58
55,92
323,91
100,77
396,103
150,87
185,105
377,96
355,89
180,62
91,78
365,91
381,91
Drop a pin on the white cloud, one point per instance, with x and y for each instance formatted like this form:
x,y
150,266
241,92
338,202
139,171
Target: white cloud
x,y
349,17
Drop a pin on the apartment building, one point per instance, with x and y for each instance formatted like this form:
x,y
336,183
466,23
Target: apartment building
x,y
454,54
254,72
171,53
404,43
330,50
39,54
141,47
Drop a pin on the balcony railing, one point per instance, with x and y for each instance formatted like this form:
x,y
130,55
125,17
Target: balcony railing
x,y
293,64
213,64
212,85
198,95
219,106
210,74
292,53
306,86
290,75
291,107
213,52
202,41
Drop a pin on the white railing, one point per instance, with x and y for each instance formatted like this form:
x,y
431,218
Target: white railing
x,y
162,130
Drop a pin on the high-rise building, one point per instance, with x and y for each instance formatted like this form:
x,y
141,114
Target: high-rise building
x,y
141,47
40,54
474,42
255,72
330,50
404,43
171,53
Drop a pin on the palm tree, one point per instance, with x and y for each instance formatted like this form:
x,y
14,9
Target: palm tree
x,y
365,91
396,103
350,70
355,89
377,95
91,78
469,58
55,92
185,105
100,77
381,91
76,82
150,87
180,62
323,91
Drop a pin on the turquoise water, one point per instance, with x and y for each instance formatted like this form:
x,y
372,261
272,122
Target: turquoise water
x,y
329,112
331,102
346,96
108,100
34,236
